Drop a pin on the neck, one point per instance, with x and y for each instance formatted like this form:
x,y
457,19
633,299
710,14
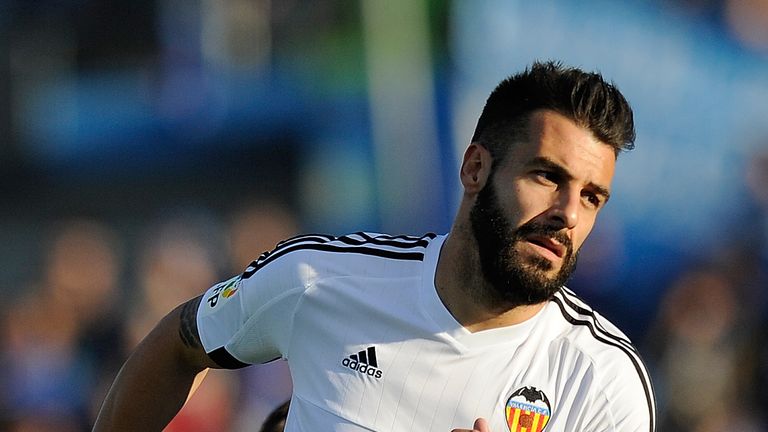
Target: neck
x,y
464,290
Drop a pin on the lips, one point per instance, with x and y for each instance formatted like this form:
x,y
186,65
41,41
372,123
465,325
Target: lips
x,y
548,243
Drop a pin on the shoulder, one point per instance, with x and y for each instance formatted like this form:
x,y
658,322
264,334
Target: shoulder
x,y
329,253
616,365
589,329
366,243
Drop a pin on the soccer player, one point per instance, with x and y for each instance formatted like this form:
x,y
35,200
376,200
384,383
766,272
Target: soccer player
x,y
436,332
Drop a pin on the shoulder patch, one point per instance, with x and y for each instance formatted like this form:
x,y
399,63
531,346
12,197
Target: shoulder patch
x,y
223,292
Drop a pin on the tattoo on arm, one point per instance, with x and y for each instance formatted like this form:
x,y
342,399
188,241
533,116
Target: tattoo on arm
x,y
188,326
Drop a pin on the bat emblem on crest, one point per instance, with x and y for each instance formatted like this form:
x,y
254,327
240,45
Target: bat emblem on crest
x,y
527,410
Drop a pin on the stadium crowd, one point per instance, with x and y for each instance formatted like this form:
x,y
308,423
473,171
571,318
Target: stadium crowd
x,y
65,337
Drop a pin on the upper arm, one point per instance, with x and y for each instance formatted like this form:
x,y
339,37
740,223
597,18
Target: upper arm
x,y
188,333
166,361
248,319
181,327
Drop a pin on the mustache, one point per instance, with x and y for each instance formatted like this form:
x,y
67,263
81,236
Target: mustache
x,y
541,229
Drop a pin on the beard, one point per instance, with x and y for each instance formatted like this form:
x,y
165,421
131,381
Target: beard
x,y
515,280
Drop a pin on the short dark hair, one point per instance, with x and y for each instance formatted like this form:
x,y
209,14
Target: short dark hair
x,y
583,97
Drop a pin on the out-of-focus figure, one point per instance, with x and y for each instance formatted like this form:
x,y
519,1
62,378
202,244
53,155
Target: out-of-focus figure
x,y
180,257
254,229
63,333
755,252
702,356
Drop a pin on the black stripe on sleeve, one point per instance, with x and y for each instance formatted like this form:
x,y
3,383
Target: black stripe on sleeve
x,y
317,238
364,250
224,359
361,238
631,353
591,313
397,242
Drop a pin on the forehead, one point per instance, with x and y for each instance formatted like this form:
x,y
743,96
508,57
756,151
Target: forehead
x,y
559,139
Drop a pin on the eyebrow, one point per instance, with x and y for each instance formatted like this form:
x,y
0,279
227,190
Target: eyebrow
x,y
545,162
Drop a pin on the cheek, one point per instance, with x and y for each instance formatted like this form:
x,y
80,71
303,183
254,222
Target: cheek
x,y
527,203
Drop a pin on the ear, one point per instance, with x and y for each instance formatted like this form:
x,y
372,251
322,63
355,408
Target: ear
x,y
475,168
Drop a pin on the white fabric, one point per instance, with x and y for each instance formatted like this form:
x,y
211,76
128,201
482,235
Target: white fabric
x,y
317,308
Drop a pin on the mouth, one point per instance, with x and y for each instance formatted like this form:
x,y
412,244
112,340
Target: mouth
x,y
549,244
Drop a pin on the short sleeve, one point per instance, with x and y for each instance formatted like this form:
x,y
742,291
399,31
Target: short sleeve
x,y
248,319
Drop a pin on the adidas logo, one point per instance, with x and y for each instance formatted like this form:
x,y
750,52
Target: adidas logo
x,y
364,362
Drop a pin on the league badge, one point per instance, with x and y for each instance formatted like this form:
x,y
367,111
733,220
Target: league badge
x,y
224,290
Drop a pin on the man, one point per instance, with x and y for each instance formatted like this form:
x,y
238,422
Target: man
x,y
434,333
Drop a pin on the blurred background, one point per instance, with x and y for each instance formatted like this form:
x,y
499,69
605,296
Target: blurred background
x,y
149,149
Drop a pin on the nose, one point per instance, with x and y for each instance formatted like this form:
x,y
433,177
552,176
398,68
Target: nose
x,y
564,212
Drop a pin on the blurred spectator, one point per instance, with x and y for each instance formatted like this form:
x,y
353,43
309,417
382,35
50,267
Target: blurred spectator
x,y
757,183
747,20
62,334
754,251
179,259
701,354
255,229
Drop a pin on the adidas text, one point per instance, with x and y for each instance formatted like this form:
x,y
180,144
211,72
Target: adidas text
x,y
362,368
364,362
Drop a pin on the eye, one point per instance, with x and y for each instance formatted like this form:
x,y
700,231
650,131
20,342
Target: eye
x,y
593,200
547,177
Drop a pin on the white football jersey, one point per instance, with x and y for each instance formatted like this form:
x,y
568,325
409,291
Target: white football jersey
x,y
371,346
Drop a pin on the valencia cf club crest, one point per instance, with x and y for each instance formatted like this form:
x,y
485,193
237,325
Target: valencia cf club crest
x,y
527,410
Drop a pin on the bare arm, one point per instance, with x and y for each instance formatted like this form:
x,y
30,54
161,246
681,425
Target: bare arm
x,y
154,382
